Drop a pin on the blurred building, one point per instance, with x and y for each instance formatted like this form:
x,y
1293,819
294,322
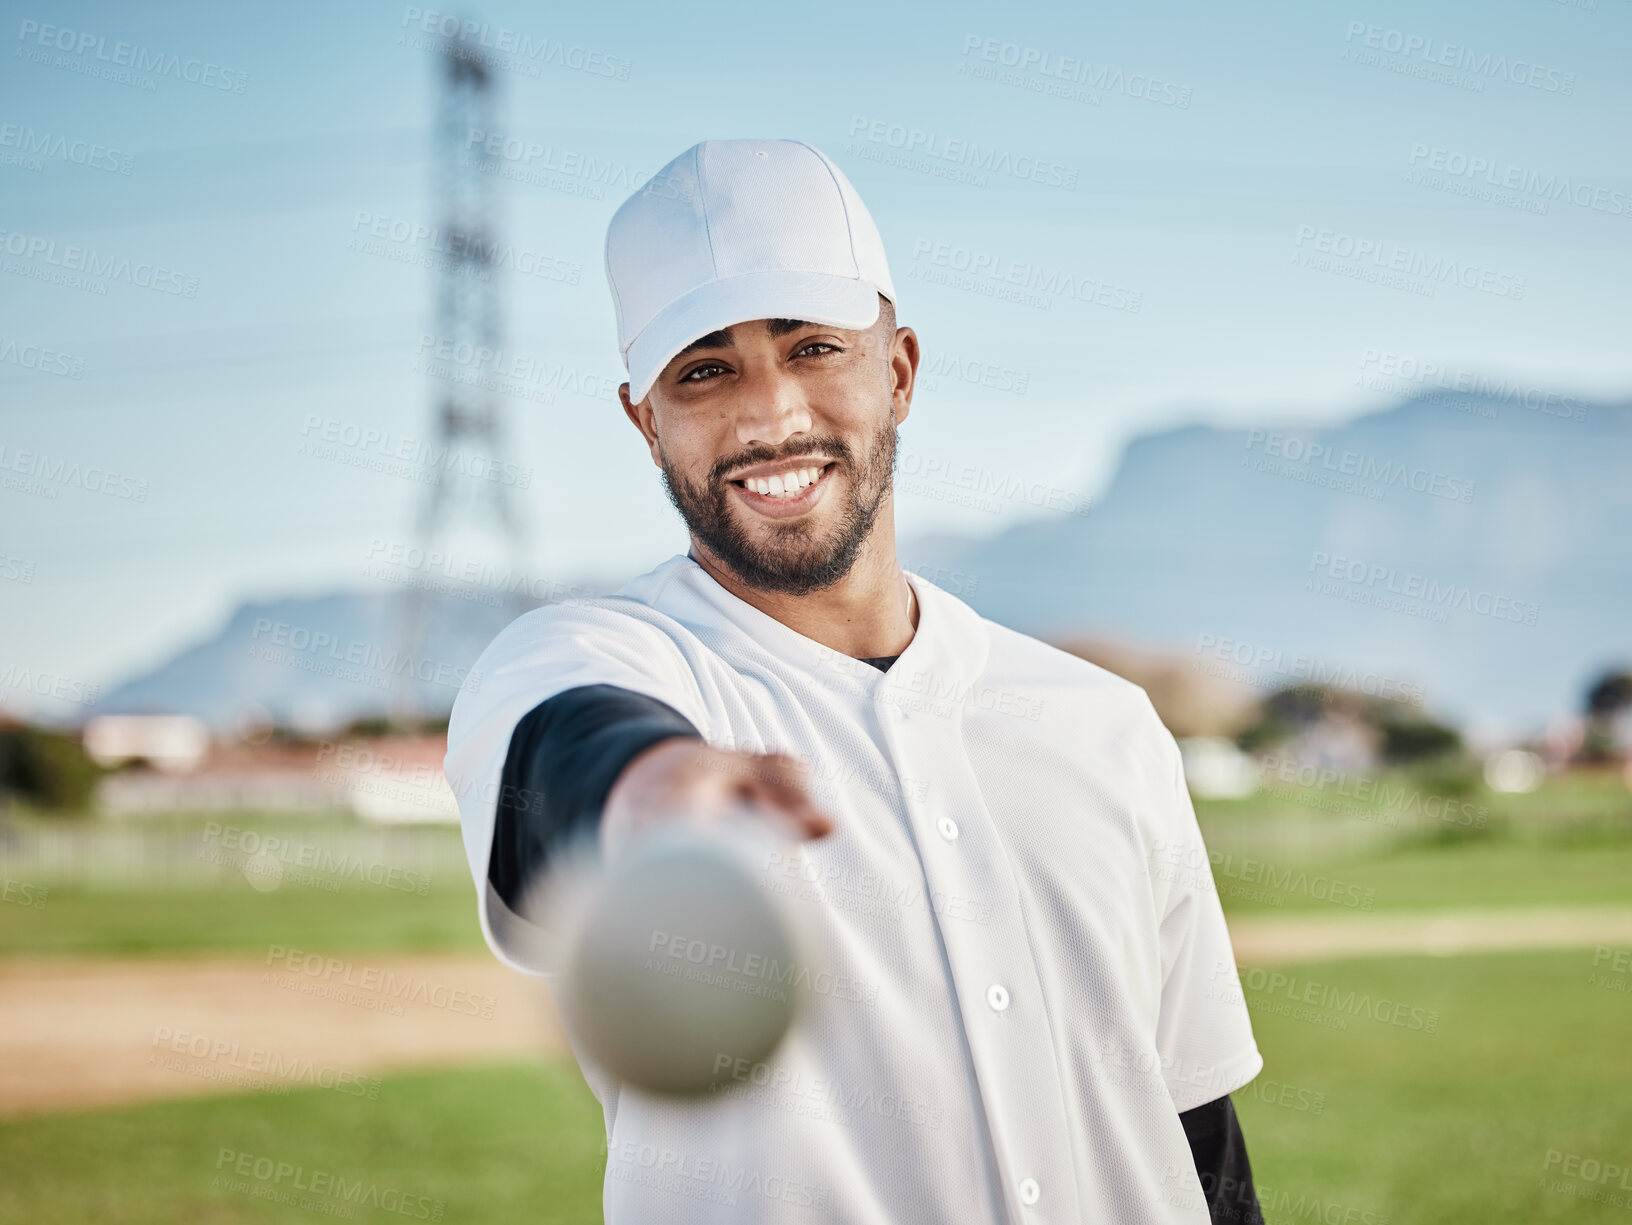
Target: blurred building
x,y
383,778
173,744
1214,769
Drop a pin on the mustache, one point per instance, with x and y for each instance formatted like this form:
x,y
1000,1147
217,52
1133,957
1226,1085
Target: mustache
x,y
835,448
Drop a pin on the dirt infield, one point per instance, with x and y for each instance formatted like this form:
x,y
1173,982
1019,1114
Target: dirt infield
x,y
81,1034
1264,942
78,1034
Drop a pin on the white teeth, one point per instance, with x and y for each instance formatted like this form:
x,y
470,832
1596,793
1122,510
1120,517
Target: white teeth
x,y
785,485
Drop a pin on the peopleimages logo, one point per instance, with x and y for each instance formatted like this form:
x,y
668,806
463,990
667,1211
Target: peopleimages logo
x,y
320,1191
380,449
472,249
1385,802
1589,1177
501,369
1257,660
79,43
532,161
992,376
15,677
40,145
71,257
1493,173
817,1096
44,474
1385,473
1325,996
288,643
964,267
382,984
41,360
1434,593
715,964
499,43
1379,257
986,159
1463,59
272,852
1383,370
1053,68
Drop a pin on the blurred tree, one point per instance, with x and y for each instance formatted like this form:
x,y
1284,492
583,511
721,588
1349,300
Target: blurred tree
x,y
1283,714
46,768
367,726
387,725
1611,695
1608,702
1402,733
1409,736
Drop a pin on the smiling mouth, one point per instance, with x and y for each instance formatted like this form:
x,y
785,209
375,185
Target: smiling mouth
x,y
787,486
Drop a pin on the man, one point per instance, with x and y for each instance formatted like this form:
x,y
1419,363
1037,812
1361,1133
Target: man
x,y
1040,1019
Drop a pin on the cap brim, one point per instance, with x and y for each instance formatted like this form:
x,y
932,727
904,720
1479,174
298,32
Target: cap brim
x,y
841,302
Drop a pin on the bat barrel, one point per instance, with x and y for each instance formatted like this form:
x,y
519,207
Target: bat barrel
x,y
681,964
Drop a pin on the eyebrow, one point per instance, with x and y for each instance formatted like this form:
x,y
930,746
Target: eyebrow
x,y
723,339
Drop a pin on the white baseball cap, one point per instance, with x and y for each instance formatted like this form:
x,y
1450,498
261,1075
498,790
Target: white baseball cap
x,y
733,230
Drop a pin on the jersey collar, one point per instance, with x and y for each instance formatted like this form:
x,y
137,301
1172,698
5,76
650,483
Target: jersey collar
x,y
948,650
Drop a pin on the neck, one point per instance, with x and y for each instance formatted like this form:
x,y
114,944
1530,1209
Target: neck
x,y
864,615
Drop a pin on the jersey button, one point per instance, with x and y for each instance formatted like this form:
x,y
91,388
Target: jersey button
x,y
1030,1192
997,995
948,828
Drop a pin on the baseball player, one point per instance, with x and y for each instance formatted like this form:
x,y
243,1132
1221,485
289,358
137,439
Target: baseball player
x,y
1030,1012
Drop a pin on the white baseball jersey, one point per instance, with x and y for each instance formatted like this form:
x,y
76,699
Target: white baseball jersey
x,y
1026,972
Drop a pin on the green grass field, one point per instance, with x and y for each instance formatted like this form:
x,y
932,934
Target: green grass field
x,y
1529,1058
216,908
1568,844
1425,877
236,918
1453,1127
502,1143
1511,1109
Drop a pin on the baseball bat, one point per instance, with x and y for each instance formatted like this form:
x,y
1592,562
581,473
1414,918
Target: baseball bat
x,y
674,964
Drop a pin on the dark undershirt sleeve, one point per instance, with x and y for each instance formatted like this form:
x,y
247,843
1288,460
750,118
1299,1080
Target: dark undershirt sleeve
x,y
564,756
1220,1152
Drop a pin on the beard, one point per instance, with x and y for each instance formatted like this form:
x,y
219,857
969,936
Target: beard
x,y
799,556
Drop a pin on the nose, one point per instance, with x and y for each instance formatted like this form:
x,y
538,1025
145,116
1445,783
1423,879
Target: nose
x,y
772,407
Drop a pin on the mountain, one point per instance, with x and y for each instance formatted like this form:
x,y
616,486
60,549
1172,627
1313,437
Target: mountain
x,y
1475,550
321,661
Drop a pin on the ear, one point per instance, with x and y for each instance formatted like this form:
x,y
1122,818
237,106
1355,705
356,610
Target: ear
x,y
644,420
903,366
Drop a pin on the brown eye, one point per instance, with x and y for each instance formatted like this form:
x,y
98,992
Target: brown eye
x,y
686,377
817,344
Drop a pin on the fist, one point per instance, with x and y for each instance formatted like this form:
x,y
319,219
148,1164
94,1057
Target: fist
x,y
689,781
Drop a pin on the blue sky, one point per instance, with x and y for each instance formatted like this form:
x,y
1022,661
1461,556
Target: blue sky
x,y
1226,169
